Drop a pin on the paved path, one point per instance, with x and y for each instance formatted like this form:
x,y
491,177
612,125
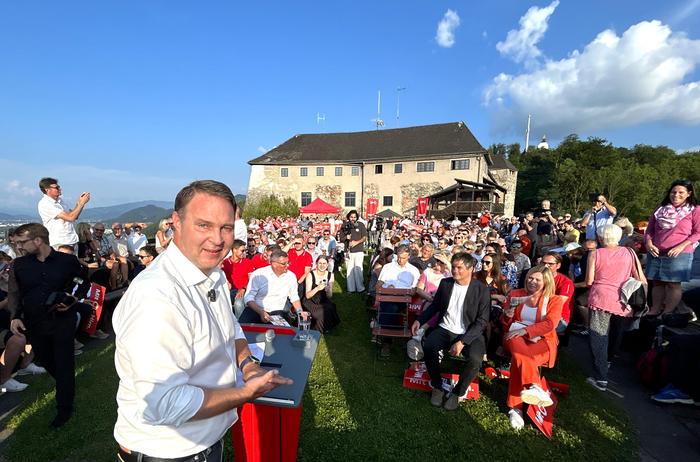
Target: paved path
x,y
666,432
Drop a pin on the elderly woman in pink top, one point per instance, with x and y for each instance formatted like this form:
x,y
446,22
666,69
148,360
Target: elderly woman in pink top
x,y
608,269
673,229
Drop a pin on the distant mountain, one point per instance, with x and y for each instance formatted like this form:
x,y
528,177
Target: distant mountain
x,y
145,214
17,217
105,213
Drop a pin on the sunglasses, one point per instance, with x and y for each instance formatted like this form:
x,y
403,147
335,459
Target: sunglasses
x,y
486,262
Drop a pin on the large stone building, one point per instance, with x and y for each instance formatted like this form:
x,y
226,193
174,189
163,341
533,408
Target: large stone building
x,y
396,166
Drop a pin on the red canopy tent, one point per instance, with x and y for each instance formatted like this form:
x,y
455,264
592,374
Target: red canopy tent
x,y
319,206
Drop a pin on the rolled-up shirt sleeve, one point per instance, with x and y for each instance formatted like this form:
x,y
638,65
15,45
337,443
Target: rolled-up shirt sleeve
x,y
158,362
293,289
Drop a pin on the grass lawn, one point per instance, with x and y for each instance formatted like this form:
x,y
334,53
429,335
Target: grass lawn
x,y
350,413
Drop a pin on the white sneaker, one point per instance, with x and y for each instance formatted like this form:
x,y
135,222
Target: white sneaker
x,y
13,385
516,419
77,352
535,395
100,335
77,345
31,369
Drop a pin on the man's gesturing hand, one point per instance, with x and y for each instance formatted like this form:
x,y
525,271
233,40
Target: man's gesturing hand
x,y
260,385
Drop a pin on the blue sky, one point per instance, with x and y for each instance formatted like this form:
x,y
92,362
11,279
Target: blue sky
x,y
131,100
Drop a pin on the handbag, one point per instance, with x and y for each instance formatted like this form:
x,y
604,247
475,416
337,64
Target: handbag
x,y
633,293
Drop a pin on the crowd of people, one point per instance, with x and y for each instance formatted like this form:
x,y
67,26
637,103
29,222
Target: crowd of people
x,y
504,289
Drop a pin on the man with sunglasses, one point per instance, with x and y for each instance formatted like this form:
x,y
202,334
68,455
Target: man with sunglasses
x,y
55,217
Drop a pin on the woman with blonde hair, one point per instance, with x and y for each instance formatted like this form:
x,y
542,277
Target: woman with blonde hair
x,y
164,234
530,319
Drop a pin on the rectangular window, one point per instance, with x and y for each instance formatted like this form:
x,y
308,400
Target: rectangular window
x,y
388,201
378,169
460,164
339,171
319,171
303,171
349,199
305,199
425,167
398,168
356,171
284,172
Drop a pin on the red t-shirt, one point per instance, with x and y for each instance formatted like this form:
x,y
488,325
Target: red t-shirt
x,y
564,286
259,262
237,273
298,263
527,245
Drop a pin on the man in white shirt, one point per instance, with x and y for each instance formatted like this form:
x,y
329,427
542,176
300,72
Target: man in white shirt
x,y
55,217
399,274
268,290
463,305
178,343
136,241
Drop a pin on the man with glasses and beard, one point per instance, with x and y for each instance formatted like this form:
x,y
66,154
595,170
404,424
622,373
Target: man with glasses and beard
x,y
41,307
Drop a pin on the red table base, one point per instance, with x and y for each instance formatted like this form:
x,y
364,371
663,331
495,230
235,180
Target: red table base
x,y
266,433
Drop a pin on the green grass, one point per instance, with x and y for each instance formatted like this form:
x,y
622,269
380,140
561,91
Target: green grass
x,y
351,412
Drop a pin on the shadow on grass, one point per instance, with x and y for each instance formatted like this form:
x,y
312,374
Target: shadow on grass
x,y
359,415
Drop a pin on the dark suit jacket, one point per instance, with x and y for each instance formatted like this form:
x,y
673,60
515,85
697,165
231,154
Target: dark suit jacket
x,y
475,311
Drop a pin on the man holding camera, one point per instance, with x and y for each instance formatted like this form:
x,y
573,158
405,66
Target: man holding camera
x,y
58,220
601,213
41,306
355,234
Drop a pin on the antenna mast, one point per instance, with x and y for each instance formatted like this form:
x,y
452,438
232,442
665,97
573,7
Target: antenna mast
x,y
378,121
398,103
527,134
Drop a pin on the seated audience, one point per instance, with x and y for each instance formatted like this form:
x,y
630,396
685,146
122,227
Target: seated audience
x,y
237,269
530,319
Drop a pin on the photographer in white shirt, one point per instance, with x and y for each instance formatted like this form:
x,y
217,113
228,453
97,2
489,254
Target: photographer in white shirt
x,y
54,215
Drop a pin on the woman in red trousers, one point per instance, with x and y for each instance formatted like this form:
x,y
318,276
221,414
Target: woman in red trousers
x,y
531,316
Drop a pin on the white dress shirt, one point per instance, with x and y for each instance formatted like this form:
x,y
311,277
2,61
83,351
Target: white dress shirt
x,y
60,231
171,342
270,291
401,277
135,242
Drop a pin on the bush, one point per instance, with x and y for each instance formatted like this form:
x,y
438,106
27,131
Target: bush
x,y
270,206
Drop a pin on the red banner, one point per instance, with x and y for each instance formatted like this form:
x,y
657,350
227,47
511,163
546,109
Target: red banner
x,y
372,206
422,207
416,377
96,298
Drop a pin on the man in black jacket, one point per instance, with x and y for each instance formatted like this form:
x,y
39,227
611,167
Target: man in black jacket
x,y
463,304
38,299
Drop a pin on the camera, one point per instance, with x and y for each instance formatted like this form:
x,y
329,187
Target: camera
x,y
60,297
347,228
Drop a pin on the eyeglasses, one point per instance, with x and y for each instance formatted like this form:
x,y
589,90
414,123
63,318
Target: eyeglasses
x,y
486,262
549,263
286,263
141,257
99,229
54,187
298,243
22,241
311,243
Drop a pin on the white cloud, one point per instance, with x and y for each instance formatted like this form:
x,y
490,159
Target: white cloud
x,y
616,81
262,149
15,187
521,45
445,36
690,149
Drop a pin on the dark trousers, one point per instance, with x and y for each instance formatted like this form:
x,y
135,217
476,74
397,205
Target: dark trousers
x,y
442,339
53,345
252,317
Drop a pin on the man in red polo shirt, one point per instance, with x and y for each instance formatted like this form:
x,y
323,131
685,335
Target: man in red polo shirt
x,y
563,286
237,269
300,261
261,260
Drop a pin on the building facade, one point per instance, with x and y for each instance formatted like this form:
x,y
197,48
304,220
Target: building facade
x,y
395,166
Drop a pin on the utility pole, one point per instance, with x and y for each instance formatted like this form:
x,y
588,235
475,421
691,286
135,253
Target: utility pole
x,y
527,133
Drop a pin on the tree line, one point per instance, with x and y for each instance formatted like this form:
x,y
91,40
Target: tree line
x,y
633,179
